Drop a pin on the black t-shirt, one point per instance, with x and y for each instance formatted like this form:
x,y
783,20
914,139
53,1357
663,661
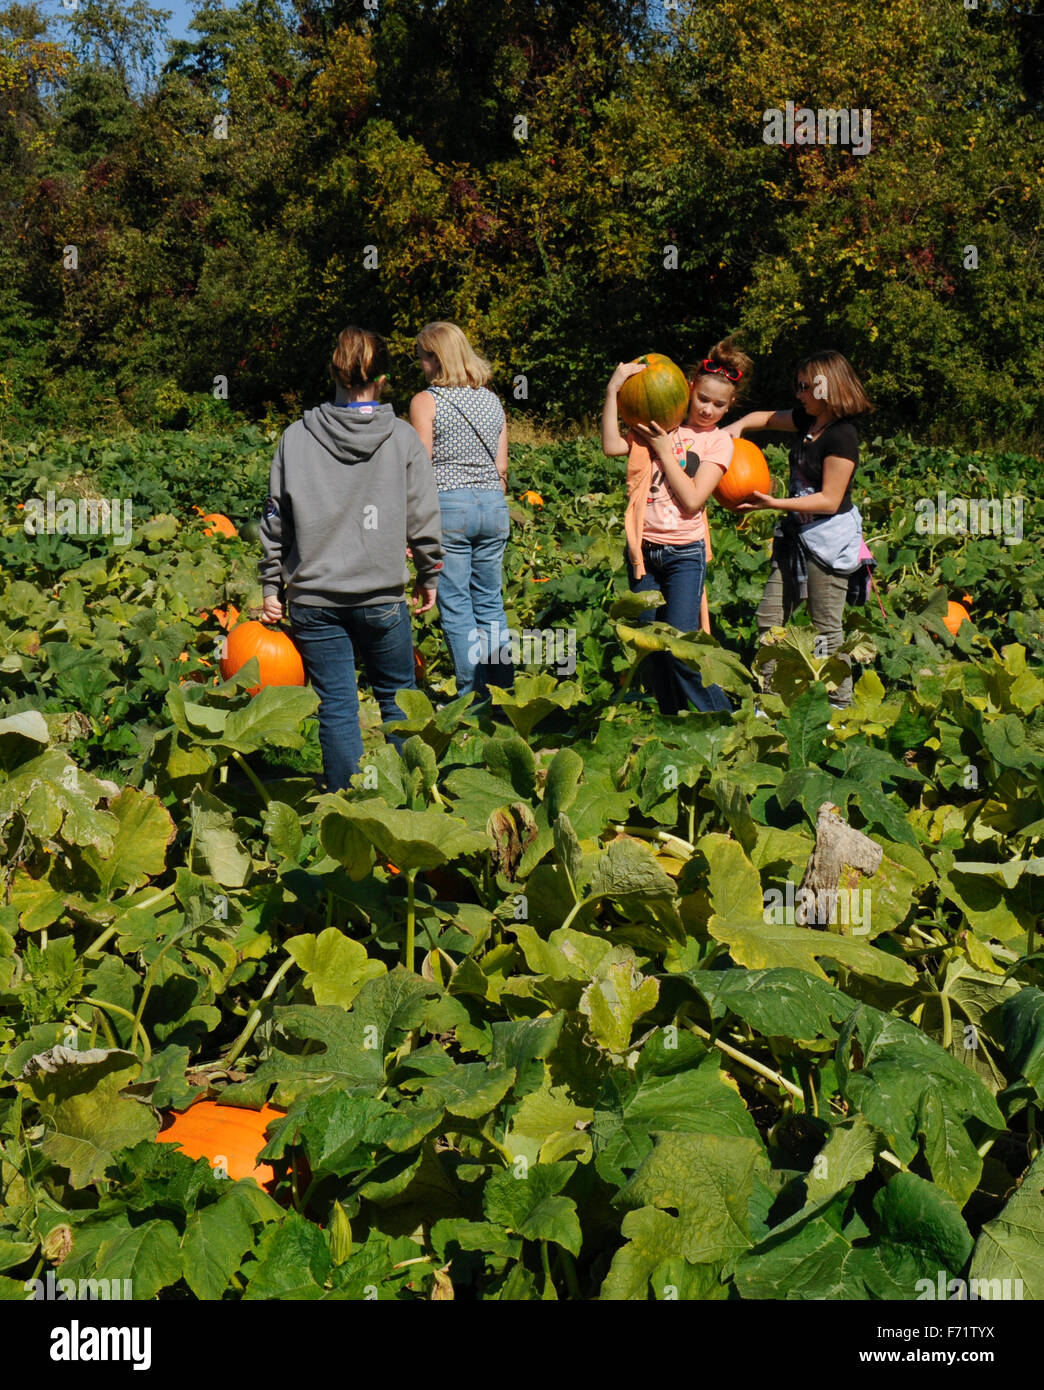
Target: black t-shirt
x,y
807,455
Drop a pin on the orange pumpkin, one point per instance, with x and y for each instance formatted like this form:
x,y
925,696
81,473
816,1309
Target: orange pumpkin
x,y
747,473
419,665
226,1136
278,660
956,613
660,393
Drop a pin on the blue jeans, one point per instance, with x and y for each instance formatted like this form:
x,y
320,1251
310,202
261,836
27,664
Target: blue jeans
x,y
475,525
330,640
678,572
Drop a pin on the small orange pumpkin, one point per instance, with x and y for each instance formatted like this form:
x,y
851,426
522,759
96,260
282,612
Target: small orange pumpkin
x,y
747,473
278,660
956,613
226,1136
419,665
216,524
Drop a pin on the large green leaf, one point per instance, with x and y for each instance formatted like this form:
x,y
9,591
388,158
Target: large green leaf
x,y
217,851
533,697
470,1089
708,1179
805,1257
614,1002
88,1118
54,795
293,1262
906,1085
694,1099
715,664
409,839
739,921
1010,1245
353,1045
523,1200
549,1125
139,847
213,1246
1022,1022
148,1256
336,967
847,1156
784,1003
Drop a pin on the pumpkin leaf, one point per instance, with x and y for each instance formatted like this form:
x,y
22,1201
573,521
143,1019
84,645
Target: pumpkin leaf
x,y
739,922
523,1201
533,697
293,1261
419,839
89,1119
213,1246
139,846
1009,1246
335,966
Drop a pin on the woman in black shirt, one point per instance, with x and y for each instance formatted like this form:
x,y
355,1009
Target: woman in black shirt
x,y
817,546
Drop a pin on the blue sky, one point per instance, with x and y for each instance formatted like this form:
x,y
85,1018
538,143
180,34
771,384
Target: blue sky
x,y
177,25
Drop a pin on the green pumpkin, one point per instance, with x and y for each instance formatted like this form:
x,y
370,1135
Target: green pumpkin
x,y
660,393
251,531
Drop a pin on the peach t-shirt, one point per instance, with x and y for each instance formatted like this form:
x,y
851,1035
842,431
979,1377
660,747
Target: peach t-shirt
x,y
666,522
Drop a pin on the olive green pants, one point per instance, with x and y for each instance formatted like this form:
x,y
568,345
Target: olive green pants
x,y
826,608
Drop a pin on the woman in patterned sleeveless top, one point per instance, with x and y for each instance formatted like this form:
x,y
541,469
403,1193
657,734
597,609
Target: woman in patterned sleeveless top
x,y
463,426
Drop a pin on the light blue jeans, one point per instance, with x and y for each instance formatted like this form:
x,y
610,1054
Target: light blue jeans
x,y
475,525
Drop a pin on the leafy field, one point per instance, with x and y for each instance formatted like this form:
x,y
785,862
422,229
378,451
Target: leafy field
x,y
535,1029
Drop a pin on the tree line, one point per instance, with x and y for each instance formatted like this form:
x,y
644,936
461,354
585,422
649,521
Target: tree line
x,y
187,224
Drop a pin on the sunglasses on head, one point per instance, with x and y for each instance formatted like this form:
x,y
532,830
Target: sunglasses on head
x,y
716,369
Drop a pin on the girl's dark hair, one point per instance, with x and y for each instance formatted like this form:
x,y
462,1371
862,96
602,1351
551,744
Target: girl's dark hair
x,y
723,354
359,357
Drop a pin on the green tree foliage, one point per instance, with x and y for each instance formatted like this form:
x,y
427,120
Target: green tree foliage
x,y
574,184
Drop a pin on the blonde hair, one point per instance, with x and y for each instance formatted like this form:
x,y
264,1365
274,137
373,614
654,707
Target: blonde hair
x,y
723,354
459,363
359,358
845,394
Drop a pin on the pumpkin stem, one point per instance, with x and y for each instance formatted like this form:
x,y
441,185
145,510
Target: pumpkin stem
x,y
411,916
138,1029
255,1016
259,786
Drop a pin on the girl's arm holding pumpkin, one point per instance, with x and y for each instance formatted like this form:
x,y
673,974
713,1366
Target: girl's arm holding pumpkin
x,y
837,473
613,442
761,420
690,493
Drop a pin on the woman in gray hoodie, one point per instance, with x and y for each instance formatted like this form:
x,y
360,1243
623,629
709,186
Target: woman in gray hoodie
x,y
350,488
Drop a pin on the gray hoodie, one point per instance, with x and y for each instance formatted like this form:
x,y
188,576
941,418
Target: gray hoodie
x,y
350,487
